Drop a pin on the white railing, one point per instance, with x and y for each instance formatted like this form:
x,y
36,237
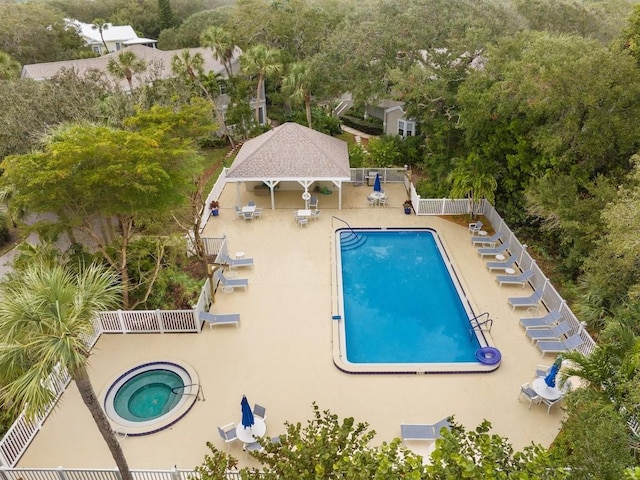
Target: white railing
x,y
387,175
214,194
148,321
101,474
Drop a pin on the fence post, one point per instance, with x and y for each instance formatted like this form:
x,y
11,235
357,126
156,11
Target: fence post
x,y
3,468
61,473
159,319
123,326
444,203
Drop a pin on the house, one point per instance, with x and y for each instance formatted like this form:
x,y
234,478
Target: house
x,y
116,37
393,116
158,67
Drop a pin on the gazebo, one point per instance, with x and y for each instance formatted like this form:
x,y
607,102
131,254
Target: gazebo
x,y
291,154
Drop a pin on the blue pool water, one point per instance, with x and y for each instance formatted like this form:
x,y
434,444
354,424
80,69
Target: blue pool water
x,y
400,303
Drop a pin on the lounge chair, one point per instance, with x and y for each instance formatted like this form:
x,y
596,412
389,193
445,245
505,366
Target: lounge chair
x,y
235,262
219,319
559,346
553,333
521,279
531,301
423,432
475,227
493,251
508,263
548,320
230,282
487,241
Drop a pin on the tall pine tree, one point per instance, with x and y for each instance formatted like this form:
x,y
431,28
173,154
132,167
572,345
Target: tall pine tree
x,y
165,14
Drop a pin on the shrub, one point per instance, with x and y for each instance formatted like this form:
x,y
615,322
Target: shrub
x,y
366,126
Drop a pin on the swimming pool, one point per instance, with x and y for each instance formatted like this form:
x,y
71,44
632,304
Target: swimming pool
x,y
401,307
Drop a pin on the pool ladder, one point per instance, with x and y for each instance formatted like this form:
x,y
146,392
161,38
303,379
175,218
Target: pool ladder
x,y
481,323
182,387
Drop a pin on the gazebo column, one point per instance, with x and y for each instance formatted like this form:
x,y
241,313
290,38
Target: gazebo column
x,y
338,184
272,185
238,196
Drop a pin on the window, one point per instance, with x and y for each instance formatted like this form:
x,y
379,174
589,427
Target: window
x,y
97,49
118,46
406,128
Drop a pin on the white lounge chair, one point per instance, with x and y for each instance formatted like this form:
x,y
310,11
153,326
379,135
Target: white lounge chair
x,y
531,301
423,431
219,319
487,241
559,346
230,282
508,263
493,251
553,333
235,262
549,320
475,227
521,279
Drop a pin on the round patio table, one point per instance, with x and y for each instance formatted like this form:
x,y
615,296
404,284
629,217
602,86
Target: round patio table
x,y
249,434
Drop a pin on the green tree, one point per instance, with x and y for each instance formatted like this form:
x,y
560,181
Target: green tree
x,y
126,66
166,15
297,85
221,45
102,181
475,179
46,315
261,62
101,25
9,68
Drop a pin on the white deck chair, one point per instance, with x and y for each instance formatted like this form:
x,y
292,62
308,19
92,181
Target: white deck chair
x,y
493,251
531,301
559,346
549,320
219,319
508,263
235,262
520,279
553,333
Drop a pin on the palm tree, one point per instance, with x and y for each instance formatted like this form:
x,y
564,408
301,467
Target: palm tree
x,y
126,66
261,61
46,315
221,45
475,179
298,85
9,68
101,25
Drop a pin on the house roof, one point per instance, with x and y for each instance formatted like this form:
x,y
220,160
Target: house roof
x,y
291,152
159,59
111,33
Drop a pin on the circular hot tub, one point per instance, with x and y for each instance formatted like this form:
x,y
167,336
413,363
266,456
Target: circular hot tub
x,y
150,397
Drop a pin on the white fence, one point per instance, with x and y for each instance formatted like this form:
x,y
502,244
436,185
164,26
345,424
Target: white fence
x,y
100,474
214,194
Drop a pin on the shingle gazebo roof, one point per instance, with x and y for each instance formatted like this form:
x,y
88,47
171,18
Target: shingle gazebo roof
x,y
291,152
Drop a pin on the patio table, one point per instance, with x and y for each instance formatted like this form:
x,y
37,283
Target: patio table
x,y
249,434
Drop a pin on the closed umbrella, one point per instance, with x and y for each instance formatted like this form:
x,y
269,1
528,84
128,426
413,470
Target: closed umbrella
x,y
376,184
550,379
247,414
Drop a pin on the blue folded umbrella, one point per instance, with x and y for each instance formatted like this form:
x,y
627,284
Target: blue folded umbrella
x,y
550,379
376,185
247,414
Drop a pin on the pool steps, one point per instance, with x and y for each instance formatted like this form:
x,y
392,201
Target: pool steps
x,y
351,241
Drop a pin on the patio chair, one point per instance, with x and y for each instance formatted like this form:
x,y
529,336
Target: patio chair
x,y
550,403
372,201
542,370
228,433
489,241
530,394
493,251
302,221
383,201
549,320
230,282
257,213
219,319
251,204
252,447
475,227
248,216
521,279
235,262
508,263
259,411
529,302
315,214
238,210
423,432
552,333
559,346
313,202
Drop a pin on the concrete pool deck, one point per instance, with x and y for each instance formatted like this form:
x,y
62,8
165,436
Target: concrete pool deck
x,y
281,354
